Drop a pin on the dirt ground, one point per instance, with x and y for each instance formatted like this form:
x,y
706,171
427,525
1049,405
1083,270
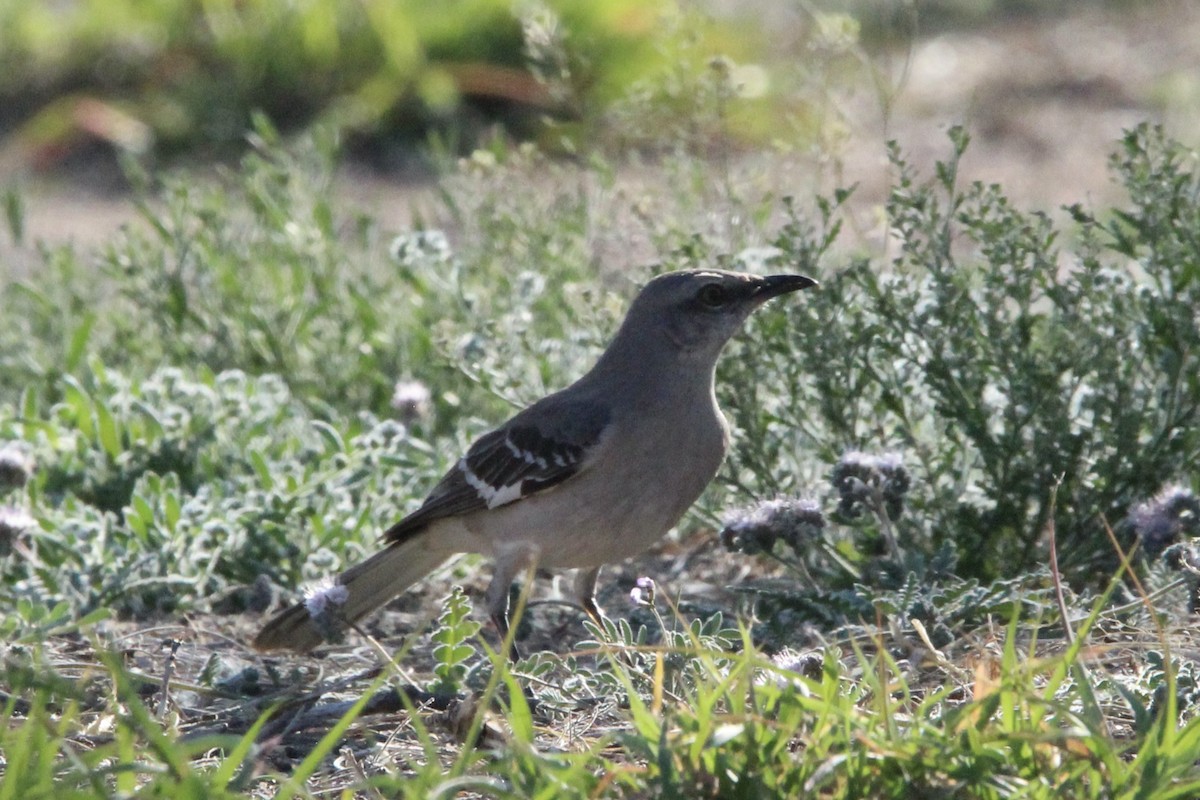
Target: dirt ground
x,y
1043,99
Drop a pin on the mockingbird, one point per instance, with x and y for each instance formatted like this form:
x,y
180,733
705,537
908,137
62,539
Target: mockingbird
x,y
589,475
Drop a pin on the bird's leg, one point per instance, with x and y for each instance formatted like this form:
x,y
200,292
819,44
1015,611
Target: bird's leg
x,y
509,563
585,592
500,620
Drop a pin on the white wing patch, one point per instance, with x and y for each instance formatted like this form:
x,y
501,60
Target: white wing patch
x,y
515,461
520,475
493,496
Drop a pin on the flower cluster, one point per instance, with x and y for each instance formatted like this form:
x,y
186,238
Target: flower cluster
x,y
642,593
411,400
865,481
15,526
324,605
420,248
16,466
798,522
810,664
1173,514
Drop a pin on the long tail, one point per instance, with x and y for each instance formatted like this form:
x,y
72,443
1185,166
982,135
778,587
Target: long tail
x,y
369,585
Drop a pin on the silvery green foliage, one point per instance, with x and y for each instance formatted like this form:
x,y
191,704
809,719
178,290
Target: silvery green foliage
x,y
176,492
454,641
996,361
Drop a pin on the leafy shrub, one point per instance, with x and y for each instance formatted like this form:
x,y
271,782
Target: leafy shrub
x,y
998,364
983,356
258,273
180,493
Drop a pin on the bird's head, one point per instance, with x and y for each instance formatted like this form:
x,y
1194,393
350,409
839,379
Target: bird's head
x,y
697,311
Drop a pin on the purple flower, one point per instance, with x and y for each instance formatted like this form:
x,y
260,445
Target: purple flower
x,y
324,605
1170,515
16,465
756,529
411,400
863,481
642,593
15,525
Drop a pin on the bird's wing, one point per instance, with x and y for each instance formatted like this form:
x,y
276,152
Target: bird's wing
x,y
535,451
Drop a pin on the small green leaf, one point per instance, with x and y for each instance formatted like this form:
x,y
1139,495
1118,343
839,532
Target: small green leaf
x,y
171,509
261,469
151,416
520,718
331,436
77,346
108,431
79,402
92,618
14,212
142,516
29,404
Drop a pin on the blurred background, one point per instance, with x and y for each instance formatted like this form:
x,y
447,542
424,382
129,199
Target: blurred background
x,y
1044,86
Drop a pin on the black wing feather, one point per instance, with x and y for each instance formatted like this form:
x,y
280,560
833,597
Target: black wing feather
x,y
537,450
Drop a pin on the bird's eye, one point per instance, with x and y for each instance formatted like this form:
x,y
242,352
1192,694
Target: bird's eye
x,y
712,295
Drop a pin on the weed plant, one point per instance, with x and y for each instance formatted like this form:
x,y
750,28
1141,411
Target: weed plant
x,y
993,362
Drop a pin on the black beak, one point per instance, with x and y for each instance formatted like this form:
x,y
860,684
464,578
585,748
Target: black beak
x,y
775,285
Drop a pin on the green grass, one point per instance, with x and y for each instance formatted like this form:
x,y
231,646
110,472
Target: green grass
x,y
1003,715
197,419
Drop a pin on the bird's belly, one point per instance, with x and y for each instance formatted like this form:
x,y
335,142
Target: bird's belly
x,y
589,537
587,523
